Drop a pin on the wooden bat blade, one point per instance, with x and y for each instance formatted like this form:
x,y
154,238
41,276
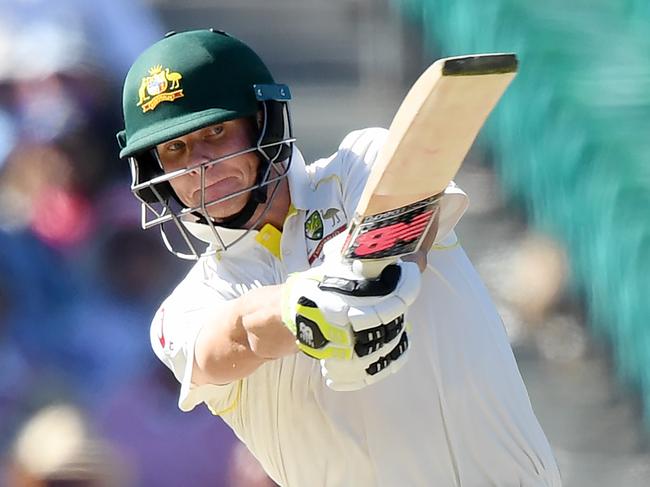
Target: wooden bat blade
x,y
434,129
428,140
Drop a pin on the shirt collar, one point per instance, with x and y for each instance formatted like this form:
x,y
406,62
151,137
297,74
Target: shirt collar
x,y
299,182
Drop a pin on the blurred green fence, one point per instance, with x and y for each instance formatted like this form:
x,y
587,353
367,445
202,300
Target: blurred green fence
x,y
572,138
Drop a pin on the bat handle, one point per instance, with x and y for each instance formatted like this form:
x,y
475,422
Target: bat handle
x,y
370,269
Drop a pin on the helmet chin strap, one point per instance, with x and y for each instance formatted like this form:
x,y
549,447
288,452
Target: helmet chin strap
x,y
257,196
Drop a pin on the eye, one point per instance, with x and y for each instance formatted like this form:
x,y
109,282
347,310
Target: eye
x,y
214,131
175,146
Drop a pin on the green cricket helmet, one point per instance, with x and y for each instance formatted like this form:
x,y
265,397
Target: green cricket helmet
x,y
185,82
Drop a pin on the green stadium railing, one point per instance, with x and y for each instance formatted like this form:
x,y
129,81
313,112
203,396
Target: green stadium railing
x,y
572,137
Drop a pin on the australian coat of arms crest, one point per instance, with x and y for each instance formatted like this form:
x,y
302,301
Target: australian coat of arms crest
x,y
314,226
161,85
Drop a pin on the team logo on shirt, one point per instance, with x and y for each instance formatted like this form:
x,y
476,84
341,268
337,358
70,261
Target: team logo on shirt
x,y
321,226
314,226
162,85
332,214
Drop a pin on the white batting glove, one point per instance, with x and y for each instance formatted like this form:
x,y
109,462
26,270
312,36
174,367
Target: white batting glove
x,y
359,372
354,325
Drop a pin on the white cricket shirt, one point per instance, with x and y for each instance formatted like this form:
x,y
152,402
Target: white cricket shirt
x,y
456,414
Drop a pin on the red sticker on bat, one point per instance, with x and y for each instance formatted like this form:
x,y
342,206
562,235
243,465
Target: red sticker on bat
x,y
392,233
384,238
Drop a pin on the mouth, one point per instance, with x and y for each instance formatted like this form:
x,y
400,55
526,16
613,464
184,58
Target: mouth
x,y
218,189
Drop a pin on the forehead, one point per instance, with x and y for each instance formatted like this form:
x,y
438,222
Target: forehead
x,y
231,124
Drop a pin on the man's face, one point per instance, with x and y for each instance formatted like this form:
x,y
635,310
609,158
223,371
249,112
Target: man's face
x,y
221,179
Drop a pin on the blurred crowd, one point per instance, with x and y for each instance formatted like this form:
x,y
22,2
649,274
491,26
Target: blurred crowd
x,y
82,397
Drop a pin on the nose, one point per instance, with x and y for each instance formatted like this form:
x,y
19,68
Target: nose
x,y
199,155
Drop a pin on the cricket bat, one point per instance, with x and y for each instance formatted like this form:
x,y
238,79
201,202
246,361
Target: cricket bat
x,y
427,142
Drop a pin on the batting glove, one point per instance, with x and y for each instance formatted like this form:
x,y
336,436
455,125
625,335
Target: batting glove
x,y
354,325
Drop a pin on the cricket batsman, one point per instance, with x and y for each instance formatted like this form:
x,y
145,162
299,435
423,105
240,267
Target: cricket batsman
x,y
416,384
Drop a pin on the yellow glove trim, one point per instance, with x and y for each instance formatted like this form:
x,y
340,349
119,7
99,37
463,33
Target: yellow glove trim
x,y
330,351
340,340
330,332
340,345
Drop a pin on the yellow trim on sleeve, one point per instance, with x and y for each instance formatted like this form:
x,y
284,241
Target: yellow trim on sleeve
x,y
328,178
446,247
292,211
230,408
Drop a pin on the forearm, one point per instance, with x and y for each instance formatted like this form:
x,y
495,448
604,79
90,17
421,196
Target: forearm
x,y
240,336
261,317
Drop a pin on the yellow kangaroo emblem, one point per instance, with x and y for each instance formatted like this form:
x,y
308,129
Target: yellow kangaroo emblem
x,y
161,85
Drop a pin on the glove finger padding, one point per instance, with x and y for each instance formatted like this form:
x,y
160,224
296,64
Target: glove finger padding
x,y
372,339
357,373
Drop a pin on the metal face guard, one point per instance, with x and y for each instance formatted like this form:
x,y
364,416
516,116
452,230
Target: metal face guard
x,y
164,210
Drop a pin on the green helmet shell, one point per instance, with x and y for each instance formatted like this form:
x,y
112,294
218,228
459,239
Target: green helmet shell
x,y
187,81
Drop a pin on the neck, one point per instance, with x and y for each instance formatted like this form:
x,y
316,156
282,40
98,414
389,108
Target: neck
x,y
277,212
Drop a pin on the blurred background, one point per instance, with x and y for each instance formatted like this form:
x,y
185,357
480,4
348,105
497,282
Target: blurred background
x,y
558,227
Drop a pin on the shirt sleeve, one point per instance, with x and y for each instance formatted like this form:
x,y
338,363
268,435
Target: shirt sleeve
x,y
359,150
173,333
453,206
